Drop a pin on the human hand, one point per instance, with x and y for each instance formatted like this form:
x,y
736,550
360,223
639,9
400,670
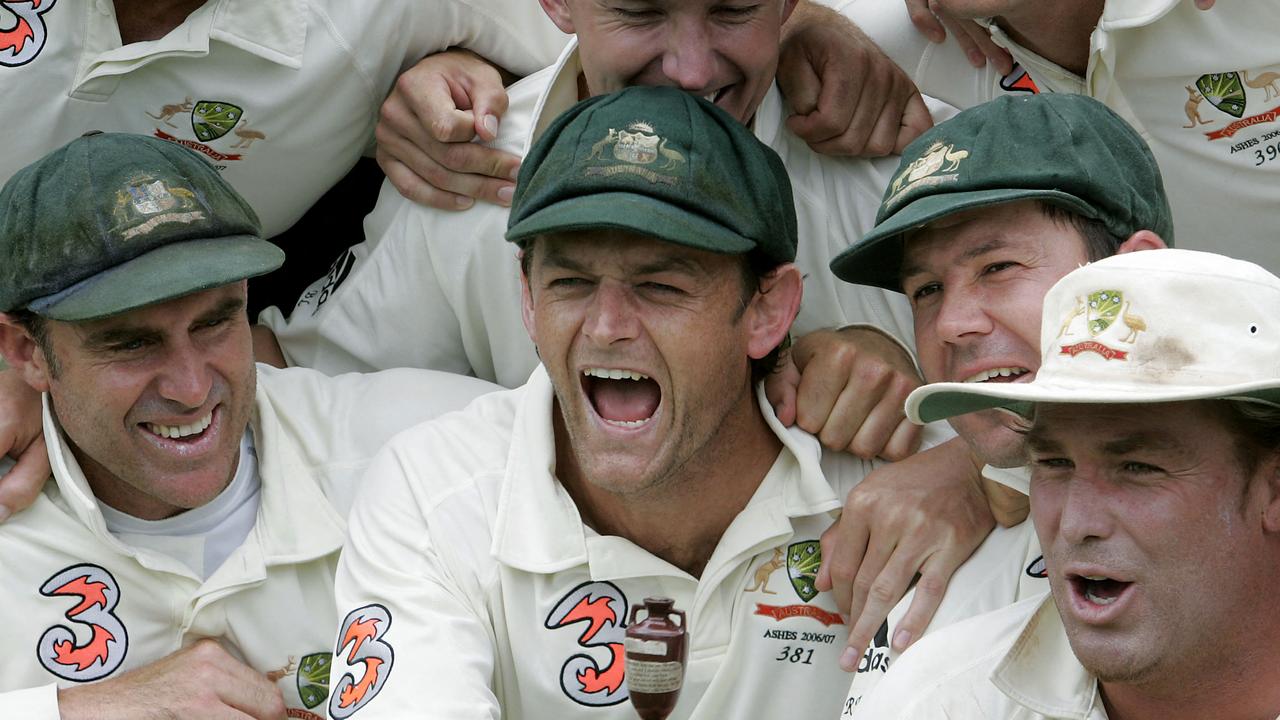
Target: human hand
x,y
933,22
426,126
848,388
199,682
848,97
22,438
924,515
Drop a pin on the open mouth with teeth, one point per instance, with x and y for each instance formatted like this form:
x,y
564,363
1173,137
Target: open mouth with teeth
x,y
1099,590
184,433
623,398
714,97
1000,374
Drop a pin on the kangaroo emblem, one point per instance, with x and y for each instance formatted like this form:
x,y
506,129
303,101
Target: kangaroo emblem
x,y
168,111
760,581
1192,108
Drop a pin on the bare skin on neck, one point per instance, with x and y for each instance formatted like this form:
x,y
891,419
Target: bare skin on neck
x,y
1057,32
681,518
151,20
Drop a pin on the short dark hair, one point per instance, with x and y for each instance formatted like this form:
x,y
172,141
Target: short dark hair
x,y
38,328
754,266
1256,429
1099,242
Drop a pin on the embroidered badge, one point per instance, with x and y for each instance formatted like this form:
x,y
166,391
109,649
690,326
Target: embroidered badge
x,y
107,643
595,675
636,147
23,41
924,171
1100,311
313,678
211,119
803,559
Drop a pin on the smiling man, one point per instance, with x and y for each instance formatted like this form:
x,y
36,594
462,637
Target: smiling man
x,y
182,560
494,556
986,212
1154,436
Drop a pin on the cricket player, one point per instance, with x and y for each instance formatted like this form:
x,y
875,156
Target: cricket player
x,y
1152,426
987,211
181,561
493,557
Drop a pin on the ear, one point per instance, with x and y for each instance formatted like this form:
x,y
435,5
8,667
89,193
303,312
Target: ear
x,y
1270,480
558,11
23,354
1141,240
773,309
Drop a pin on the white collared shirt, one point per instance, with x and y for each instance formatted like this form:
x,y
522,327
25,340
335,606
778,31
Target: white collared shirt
x,y
281,95
1012,664
1219,154
472,562
270,603
439,289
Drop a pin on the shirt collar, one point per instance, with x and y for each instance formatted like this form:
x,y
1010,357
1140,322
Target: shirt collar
x,y
1123,14
538,527
275,31
1042,674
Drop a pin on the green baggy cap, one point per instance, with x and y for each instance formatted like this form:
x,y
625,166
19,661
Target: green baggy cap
x,y
658,162
112,222
1069,150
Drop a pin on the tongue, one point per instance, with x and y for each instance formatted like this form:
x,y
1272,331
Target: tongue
x,y
625,400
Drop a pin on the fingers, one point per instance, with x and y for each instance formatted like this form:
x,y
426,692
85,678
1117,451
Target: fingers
x,y
904,442
843,547
780,389
20,487
975,41
800,81
925,21
935,574
488,101
915,121
876,586
1204,4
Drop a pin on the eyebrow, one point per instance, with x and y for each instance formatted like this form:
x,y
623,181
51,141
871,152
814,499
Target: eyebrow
x,y
559,260
1038,441
125,333
991,245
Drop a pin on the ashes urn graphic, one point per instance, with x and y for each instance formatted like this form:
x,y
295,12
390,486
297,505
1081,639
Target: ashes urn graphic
x,y
656,650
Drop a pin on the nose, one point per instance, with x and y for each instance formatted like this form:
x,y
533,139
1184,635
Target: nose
x,y
611,316
962,313
187,377
689,60
1085,509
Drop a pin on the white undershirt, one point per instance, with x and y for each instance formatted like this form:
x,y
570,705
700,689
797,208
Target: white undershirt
x,y
201,538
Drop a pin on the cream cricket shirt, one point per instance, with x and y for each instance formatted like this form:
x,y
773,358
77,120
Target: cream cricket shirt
x,y
1006,568
470,587
280,95
80,605
1202,87
441,290
1011,664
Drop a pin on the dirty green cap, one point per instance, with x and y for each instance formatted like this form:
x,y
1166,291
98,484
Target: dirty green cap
x,y
112,222
658,162
1069,150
